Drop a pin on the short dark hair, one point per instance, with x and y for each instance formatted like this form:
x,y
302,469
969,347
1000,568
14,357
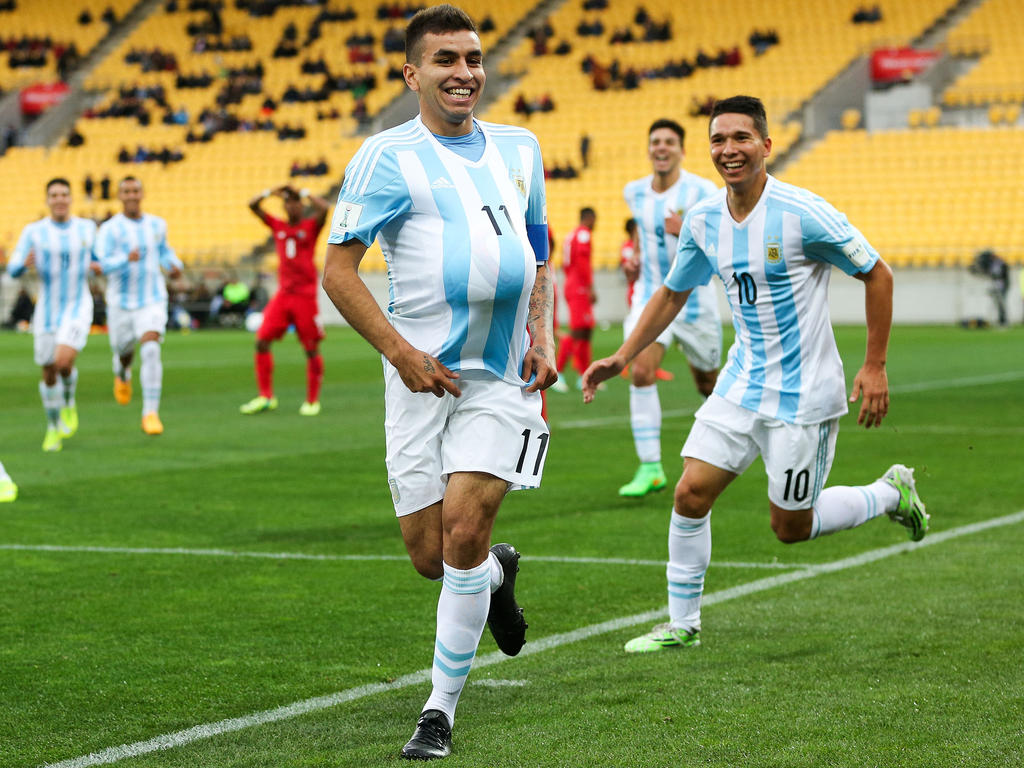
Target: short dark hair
x,y
437,20
672,125
58,180
750,106
630,225
587,211
290,193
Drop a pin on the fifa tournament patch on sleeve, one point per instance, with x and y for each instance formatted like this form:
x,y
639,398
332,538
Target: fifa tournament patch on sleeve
x,y
347,217
856,252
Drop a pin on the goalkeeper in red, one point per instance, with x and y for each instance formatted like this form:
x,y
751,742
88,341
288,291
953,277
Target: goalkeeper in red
x,y
295,302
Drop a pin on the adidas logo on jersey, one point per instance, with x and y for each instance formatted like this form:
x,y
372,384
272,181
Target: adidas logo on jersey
x,y
442,183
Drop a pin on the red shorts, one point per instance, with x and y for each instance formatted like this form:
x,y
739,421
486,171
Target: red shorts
x,y
581,310
287,309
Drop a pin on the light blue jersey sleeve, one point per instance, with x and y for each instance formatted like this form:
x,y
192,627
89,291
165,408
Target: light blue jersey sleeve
x,y
168,258
111,257
829,236
692,266
372,194
16,265
537,209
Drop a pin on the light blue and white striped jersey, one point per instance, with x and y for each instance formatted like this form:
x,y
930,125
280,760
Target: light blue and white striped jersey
x,y
453,232
63,252
775,265
133,285
658,247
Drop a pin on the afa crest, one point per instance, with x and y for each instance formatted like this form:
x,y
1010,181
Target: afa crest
x,y
519,180
773,252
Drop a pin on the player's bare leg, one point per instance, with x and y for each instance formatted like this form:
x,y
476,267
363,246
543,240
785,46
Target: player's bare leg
x,y
645,421
689,552
704,380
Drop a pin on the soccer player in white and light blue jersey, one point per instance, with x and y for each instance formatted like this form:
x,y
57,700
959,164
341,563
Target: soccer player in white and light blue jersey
x,y
782,391
658,203
132,248
60,247
458,207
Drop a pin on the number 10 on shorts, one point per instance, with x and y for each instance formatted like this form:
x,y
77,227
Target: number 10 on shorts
x,y
533,447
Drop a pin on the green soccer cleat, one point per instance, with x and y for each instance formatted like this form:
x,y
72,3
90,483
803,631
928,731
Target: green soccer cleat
x,y
663,637
68,421
309,409
910,512
8,490
52,442
259,405
649,477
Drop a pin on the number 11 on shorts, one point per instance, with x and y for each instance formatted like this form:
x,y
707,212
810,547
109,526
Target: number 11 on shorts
x,y
542,446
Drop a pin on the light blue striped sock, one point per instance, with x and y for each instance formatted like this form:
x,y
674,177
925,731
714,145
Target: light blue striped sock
x,y
461,615
689,552
645,419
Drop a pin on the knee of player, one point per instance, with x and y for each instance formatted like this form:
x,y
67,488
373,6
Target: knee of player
x,y
429,567
691,500
791,530
262,346
642,375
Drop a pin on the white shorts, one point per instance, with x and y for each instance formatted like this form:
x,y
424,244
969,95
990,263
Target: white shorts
x,y
701,340
797,457
127,326
494,427
70,333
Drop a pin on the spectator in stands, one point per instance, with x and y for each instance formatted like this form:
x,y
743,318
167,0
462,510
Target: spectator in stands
x,y
88,186
585,149
867,15
9,138
563,49
75,138
487,24
320,168
641,17
123,156
105,187
85,17
109,16
21,312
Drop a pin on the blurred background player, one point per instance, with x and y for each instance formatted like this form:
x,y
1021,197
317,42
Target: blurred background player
x,y
295,302
60,247
658,202
132,247
780,397
8,490
579,297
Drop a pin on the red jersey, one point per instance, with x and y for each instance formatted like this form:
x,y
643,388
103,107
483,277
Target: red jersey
x,y
296,246
576,263
626,253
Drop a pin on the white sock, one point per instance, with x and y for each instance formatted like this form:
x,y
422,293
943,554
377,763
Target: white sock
x,y
645,419
151,373
70,385
3,473
461,615
497,572
123,372
52,399
689,552
842,506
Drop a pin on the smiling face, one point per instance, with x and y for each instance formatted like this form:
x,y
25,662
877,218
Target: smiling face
x,y
448,78
129,192
665,151
58,200
739,151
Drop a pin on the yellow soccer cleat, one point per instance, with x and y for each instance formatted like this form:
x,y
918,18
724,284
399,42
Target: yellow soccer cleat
x,y
52,442
122,390
310,409
151,424
68,421
258,405
8,490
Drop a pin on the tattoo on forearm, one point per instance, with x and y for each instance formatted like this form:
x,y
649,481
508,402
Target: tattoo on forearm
x,y
427,365
541,304
539,351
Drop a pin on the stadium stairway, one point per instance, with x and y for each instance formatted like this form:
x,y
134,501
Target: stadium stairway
x,y
56,122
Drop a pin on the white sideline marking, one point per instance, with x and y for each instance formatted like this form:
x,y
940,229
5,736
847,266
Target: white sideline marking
x,y
490,682
361,558
207,730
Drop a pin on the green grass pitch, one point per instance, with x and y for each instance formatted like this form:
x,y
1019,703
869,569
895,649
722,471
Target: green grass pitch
x,y
916,659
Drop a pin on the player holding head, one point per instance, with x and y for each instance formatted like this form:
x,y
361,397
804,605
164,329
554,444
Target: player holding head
x,y
295,302
658,203
458,207
60,247
132,248
782,391
577,264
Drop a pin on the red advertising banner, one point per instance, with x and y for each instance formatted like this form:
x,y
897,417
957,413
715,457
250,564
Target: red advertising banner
x,y
894,64
38,98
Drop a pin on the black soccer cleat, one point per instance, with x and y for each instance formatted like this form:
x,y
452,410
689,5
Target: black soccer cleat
x,y
505,617
432,739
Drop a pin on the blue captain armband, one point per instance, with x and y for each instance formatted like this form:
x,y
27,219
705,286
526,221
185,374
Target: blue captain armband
x,y
538,236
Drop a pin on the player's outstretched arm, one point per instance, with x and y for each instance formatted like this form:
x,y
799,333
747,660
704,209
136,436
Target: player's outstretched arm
x,y
871,380
662,308
420,371
540,358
